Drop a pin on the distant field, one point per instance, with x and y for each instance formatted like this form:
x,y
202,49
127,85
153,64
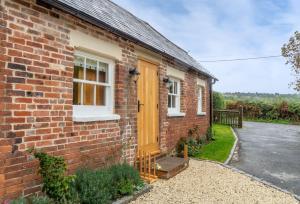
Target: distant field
x,y
264,97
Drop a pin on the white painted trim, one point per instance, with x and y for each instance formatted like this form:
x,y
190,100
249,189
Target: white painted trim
x,y
93,112
179,114
172,72
97,46
201,82
201,113
177,97
87,118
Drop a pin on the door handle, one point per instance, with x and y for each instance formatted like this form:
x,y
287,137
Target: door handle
x,y
139,105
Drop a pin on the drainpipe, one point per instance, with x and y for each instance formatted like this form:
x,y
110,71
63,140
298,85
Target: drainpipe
x,y
213,81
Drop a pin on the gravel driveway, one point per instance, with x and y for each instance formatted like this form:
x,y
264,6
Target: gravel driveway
x,y
271,152
207,182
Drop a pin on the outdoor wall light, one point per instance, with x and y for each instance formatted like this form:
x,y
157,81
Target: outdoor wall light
x,y
134,73
166,80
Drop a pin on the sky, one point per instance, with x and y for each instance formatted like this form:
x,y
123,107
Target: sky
x,y
229,29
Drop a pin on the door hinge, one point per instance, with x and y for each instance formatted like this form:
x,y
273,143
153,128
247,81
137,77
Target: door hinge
x,y
157,73
157,106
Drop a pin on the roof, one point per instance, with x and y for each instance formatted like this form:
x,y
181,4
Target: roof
x,y
116,19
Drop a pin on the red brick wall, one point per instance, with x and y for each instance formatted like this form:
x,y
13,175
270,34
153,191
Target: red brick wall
x,y
36,70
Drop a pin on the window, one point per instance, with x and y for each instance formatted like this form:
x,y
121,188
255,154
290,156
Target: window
x,y
200,100
92,86
174,96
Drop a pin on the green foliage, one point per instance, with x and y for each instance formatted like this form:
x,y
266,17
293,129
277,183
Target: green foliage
x,y
210,134
92,186
194,146
125,180
33,200
218,101
291,52
259,110
220,147
55,184
105,185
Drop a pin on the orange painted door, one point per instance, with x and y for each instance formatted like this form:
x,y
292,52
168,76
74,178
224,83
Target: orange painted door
x,y
148,110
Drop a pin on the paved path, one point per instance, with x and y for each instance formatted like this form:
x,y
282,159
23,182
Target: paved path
x,y
271,152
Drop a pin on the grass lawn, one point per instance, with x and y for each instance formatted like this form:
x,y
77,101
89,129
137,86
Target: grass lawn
x,y
218,149
286,122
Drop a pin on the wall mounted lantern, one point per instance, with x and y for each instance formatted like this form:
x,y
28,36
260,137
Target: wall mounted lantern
x,y
167,81
134,73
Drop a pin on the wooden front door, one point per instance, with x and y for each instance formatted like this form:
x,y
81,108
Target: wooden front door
x,y
148,112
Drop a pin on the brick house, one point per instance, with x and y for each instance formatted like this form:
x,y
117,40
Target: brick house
x,y
69,86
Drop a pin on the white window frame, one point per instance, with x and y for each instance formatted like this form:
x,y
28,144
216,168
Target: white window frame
x,y
175,111
200,96
84,113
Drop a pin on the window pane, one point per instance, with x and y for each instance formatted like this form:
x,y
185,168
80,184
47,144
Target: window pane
x,y
173,101
91,69
78,67
88,94
175,87
100,95
171,87
103,72
77,93
169,101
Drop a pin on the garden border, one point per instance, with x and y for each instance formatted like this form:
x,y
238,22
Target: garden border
x,y
233,147
134,196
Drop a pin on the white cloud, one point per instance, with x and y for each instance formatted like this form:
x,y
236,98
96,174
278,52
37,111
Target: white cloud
x,y
230,29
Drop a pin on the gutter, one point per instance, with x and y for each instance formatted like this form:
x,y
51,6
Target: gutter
x,y
80,14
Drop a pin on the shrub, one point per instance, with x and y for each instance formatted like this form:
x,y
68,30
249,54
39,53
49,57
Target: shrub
x,y
194,146
105,185
33,200
281,110
125,178
92,186
55,184
209,134
218,101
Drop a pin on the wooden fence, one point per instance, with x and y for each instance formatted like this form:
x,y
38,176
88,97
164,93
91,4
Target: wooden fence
x,y
233,118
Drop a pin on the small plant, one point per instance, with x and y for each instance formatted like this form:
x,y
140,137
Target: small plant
x,y
93,186
33,200
194,146
125,178
55,184
194,132
210,134
106,185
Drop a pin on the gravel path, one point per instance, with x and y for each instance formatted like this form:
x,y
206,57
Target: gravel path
x,y
207,182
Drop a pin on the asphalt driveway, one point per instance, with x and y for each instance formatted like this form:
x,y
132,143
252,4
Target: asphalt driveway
x,y
271,152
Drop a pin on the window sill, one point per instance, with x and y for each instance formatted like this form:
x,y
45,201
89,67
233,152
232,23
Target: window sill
x,y
176,114
96,118
201,113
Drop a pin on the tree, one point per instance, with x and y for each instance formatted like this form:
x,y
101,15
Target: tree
x,y
291,51
218,101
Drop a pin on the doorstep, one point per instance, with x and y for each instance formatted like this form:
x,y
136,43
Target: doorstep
x,y
168,166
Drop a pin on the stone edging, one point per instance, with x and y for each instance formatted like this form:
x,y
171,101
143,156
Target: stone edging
x,y
128,199
233,148
266,183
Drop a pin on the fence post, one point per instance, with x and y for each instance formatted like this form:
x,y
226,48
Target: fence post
x,y
241,117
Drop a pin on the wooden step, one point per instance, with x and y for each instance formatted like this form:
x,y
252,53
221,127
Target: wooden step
x,y
167,167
